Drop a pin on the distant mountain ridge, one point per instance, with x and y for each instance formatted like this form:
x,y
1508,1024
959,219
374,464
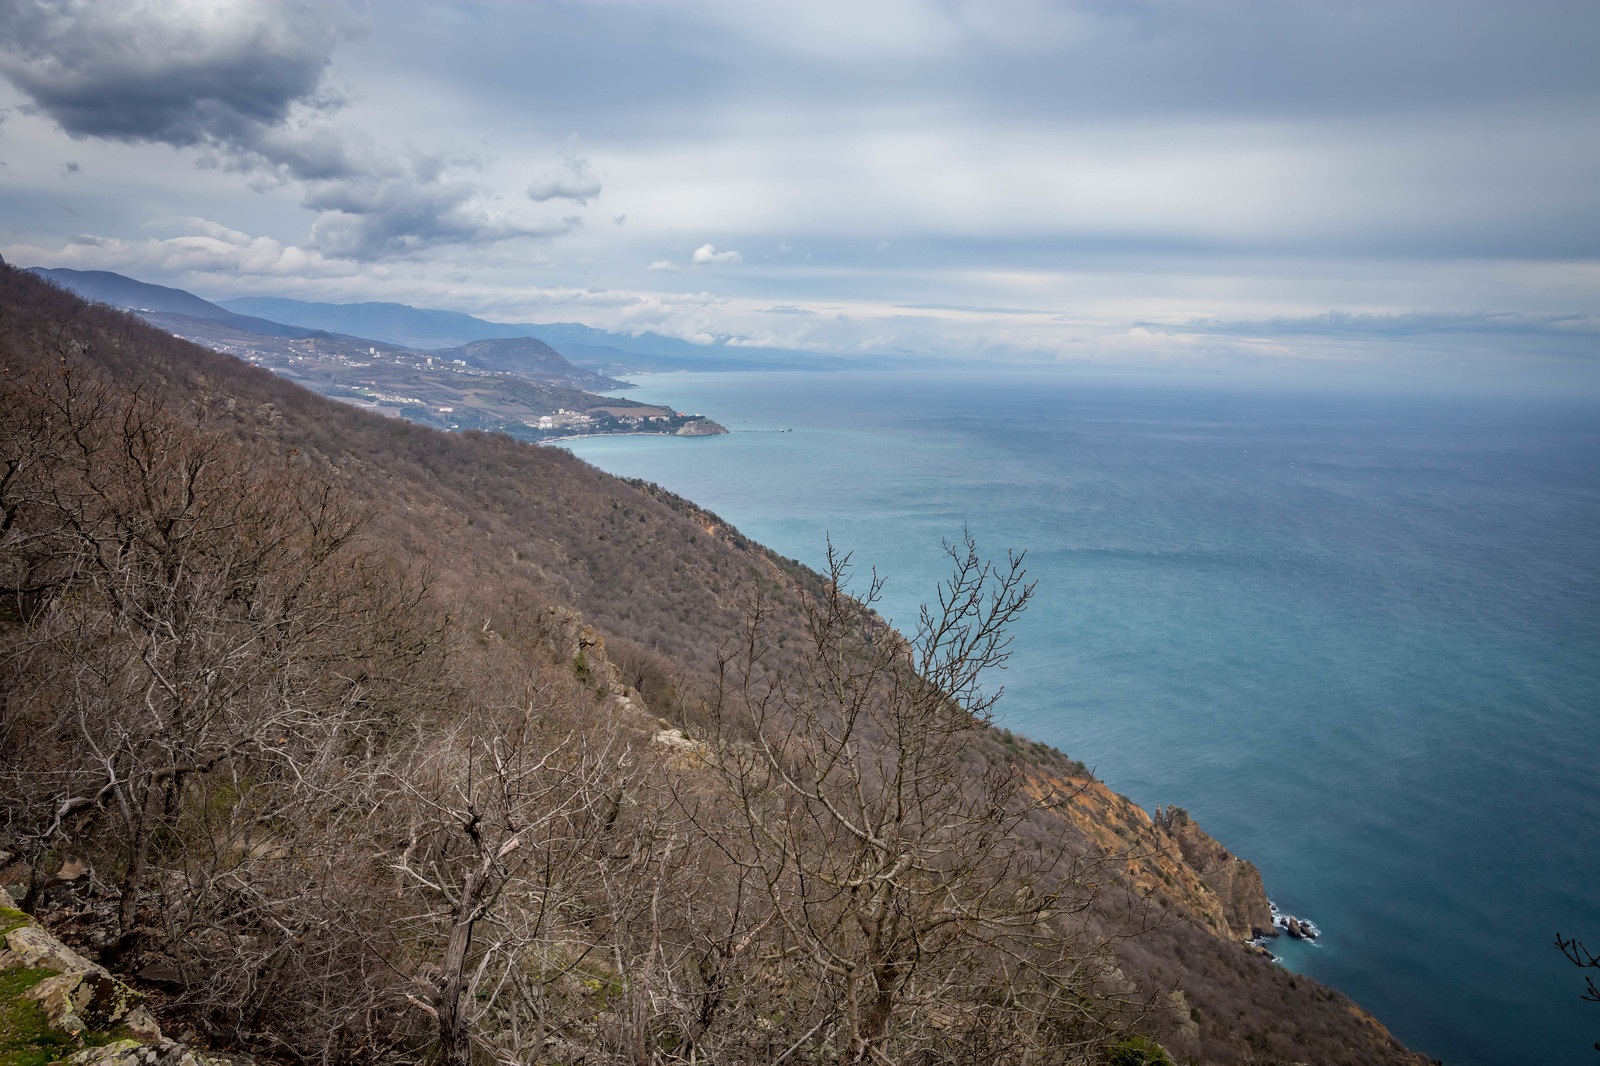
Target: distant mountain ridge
x,y
185,314
430,328
531,358
103,286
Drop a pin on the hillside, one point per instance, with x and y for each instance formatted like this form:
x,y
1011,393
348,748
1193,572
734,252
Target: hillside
x,y
338,735
519,386
103,286
529,358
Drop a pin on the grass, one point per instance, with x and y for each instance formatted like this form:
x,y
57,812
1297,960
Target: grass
x,y
26,1038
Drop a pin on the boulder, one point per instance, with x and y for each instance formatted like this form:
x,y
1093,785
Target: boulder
x,y
77,1001
77,994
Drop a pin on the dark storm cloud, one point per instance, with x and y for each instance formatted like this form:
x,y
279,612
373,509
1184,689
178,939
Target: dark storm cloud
x,y
175,74
247,81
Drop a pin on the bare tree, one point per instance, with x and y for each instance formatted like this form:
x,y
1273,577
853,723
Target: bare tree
x,y
885,841
186,577
500,817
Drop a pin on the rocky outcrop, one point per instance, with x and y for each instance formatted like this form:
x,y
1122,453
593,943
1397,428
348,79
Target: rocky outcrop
x,y
76,995
79,1001
1236,882
700,427
577,641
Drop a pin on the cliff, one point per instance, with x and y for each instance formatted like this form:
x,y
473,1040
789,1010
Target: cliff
x,y
1235,882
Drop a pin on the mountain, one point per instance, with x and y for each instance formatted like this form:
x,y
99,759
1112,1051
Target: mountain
x,y
410,327
424,328
105,287
344,739
186,315
428,329
529,358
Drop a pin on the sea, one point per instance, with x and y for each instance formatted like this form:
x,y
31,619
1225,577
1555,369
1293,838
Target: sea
x,y
1356,635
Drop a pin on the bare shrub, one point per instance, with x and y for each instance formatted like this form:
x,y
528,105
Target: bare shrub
x,y
922,927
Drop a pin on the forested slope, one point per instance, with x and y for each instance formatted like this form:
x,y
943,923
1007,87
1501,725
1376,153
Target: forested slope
x,y
357,741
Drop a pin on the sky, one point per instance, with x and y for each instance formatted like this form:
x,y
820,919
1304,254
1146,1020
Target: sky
x,y
1362,190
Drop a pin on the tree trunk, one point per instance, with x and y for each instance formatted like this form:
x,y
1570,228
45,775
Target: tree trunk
x,y
133,876
455,1044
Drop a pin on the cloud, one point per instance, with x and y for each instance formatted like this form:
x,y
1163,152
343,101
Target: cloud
x,y
662,264
182,73
206,247
371,216
707,254
245,82
573,180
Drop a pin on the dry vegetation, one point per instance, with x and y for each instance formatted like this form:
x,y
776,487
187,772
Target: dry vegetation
x,y
294,701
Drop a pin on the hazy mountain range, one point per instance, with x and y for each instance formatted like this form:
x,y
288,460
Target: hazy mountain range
x,y
430,329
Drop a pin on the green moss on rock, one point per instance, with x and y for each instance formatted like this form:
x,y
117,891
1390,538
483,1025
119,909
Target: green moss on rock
x,y
26,1038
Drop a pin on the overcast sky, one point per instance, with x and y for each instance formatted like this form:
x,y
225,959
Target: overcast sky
x,y
1393,187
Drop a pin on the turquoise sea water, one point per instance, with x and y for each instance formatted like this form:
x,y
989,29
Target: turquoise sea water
x,y
1357,637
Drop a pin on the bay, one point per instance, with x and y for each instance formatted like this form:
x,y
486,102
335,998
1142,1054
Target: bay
x,y
1357,636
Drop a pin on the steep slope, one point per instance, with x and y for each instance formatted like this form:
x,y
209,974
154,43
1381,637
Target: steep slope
x,y
514,534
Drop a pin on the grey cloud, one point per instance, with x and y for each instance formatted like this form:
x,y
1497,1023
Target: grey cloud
x,y
140,71
663,69
370,218
245,81
573,180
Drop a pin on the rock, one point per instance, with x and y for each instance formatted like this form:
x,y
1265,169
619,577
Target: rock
x,y
151,1053
1236,882
675,738
79,995
29,946
163,972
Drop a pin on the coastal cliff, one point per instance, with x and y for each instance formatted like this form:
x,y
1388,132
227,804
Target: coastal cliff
x,y
476,610
1235,882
